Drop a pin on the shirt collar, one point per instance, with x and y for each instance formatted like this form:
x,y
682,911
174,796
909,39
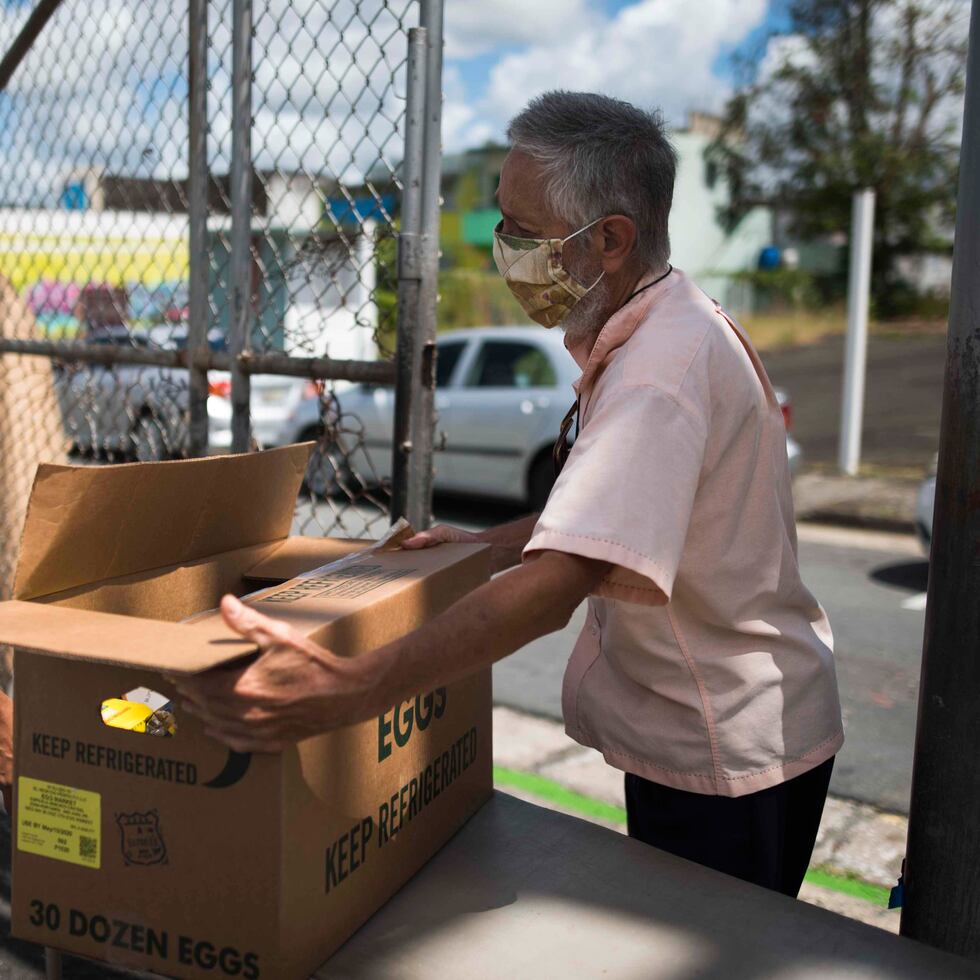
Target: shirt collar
x,y
617,329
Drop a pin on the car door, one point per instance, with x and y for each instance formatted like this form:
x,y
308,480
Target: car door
x,y
370,413
497,416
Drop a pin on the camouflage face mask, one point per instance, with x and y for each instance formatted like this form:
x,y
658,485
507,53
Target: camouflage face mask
x,y
533,269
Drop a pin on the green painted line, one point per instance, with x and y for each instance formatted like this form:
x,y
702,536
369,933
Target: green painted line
x,y
547,789
848,885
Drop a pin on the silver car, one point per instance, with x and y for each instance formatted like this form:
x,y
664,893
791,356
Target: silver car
x,y
140,411
501,396
126,410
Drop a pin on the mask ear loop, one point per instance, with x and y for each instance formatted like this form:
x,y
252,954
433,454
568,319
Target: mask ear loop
x,y
588,289
583,228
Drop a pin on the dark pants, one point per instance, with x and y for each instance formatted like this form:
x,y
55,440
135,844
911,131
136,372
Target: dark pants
x,y
766,837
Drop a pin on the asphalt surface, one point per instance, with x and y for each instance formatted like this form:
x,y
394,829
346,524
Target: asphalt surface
x,y
903,398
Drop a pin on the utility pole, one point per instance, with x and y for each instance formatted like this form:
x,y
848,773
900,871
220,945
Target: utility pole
x,y
858,294
942,883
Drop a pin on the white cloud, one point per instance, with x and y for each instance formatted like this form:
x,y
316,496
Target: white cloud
x,y
474,27
107,90
462,126
105,86
653,53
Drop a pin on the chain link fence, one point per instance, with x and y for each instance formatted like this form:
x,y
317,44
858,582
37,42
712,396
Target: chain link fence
x,y
194,238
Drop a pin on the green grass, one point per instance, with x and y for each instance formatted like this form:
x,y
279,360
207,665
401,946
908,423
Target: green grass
x,y
549,791
848,885
771,331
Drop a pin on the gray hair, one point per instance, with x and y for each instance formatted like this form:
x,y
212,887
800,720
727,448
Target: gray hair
x,y
601,156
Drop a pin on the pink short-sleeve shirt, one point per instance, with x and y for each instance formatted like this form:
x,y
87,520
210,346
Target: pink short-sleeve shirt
x,y
705,664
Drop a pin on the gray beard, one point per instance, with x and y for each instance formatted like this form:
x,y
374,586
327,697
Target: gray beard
x,y
588,316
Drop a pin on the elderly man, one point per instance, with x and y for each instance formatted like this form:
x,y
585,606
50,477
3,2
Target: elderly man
x,y
705,669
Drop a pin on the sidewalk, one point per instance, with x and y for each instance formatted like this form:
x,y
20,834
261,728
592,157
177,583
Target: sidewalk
x,y
882,503
858,853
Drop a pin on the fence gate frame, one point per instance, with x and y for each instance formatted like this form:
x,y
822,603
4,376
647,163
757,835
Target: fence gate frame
x,y
412,373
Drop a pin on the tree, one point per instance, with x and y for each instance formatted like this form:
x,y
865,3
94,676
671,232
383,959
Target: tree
x,y
852,94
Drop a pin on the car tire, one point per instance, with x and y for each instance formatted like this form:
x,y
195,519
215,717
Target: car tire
x,y
147,439
540,480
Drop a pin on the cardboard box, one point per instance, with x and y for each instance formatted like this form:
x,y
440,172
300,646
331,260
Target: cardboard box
x,y
171,853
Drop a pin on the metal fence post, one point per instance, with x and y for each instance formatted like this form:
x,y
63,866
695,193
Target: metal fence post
x,y
942,888
420,467
240,328
858,295
409,278
197,206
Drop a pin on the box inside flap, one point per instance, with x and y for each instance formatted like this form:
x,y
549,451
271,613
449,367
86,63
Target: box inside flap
x,y
299,554
107,638
88,523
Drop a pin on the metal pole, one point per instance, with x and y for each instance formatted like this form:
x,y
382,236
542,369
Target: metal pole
x,y
240,328
420,476
858,293
942,886
274,362
367,278
409,272
29,33
197,206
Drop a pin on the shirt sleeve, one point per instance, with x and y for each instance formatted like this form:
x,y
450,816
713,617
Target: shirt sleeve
x,y
626,493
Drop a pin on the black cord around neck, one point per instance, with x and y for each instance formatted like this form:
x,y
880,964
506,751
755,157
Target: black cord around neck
x,y
637,292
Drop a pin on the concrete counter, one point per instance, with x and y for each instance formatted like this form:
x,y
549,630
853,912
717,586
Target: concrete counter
x,y
525,892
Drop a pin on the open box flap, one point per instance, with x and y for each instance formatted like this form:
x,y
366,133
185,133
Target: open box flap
x,y
81,634
89,523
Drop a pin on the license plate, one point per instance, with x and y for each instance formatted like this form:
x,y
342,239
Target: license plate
x,y
273,396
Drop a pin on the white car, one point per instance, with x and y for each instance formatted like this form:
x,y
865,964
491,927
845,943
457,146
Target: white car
x,y
501,396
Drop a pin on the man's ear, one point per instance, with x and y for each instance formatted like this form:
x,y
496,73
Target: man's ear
x,y
615,237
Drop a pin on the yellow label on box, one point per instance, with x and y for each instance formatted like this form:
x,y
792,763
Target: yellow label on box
x,y
59,822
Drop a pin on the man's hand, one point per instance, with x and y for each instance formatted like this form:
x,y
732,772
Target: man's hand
x,y
292,690
506,541
6,749
438,535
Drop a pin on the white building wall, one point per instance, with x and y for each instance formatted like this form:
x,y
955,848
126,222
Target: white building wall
x,y
699,243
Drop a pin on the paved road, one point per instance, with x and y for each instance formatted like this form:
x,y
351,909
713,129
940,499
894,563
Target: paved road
x,y
903,397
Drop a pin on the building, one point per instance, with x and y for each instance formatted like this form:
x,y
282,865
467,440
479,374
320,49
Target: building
x,y
128,237
700,243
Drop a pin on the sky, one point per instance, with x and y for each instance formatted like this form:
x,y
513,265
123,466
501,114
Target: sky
x,y
673,54
105,86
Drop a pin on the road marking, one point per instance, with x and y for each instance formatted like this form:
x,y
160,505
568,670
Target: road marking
x,y
915,602
859,537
